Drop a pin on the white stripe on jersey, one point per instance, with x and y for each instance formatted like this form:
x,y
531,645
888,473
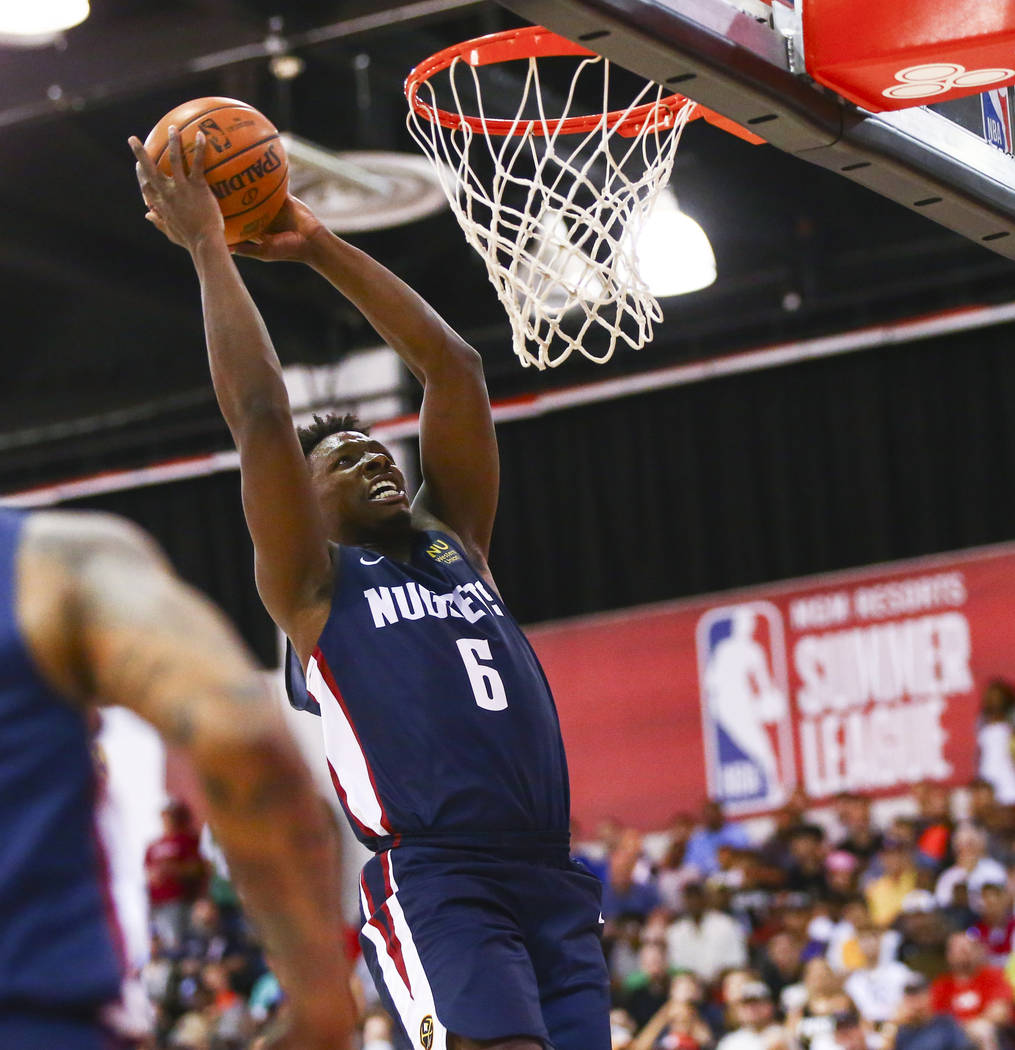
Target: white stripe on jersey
x,y
345,754
415,1007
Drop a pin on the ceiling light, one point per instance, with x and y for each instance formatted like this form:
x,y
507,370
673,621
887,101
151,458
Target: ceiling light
x,y
39,22
286,67
673,251
358,190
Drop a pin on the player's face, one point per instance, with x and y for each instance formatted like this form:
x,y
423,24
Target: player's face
x,y
360,488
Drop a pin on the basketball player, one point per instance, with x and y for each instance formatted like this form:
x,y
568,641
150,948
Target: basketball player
x,y
89,612
438,723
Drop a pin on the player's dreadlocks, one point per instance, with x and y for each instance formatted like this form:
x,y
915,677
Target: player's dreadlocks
x,y
324,426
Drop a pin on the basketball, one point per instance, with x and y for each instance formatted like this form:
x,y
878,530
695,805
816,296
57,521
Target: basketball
x,y
245,161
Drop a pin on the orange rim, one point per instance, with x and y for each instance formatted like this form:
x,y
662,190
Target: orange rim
x,y
530,42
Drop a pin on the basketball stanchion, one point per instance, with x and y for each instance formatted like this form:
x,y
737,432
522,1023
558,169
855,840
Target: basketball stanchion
x,y
555,205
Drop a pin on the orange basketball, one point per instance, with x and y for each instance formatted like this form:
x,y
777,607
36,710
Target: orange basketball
x,y
244,159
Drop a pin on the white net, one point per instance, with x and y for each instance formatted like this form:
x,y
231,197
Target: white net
x,y
557,216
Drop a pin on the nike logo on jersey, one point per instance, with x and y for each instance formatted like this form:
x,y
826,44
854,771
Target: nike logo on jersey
x,y
368,561
413,601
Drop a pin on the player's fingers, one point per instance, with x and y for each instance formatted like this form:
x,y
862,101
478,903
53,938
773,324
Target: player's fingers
x,y
147,174
142,156
149,192
197,159
176,154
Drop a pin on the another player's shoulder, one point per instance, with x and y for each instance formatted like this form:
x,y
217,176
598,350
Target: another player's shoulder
x,y
74,567
73,540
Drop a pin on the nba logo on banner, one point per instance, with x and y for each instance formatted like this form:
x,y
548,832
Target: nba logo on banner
x,y
997,118
745,706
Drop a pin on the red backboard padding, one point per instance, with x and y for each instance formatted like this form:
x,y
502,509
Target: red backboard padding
x,y
884,55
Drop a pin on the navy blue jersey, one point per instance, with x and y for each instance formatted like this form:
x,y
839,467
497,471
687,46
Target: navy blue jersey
x,y
59,943
438,722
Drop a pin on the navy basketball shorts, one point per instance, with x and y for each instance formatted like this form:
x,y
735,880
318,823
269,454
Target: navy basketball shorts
x,y
45,1031
486,944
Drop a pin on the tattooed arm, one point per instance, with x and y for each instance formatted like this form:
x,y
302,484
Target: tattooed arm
x,y
107,621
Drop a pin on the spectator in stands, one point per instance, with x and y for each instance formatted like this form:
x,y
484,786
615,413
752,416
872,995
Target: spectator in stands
x,y
972,866
994,740
207,937
775,851
266,997
645,991
861,837
678,1024
843,952
905,829
175,873
715,831
811,1006
934,822
806,870
924,933
674,871
755,1025
792,913
996,924
622,937
920,1028
886,893
751,900
978,996
876,987
378,1031
959,915
731,867
850,1033
622,1029
227,1011
158,972
780,962
194,1028
842,871
625,893
981,801
596,855
704,941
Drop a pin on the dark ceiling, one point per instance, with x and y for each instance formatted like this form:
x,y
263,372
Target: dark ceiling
x,y
103,348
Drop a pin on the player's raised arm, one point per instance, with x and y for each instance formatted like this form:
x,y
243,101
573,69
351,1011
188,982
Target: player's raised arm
x,y
107,620
293,566
457,441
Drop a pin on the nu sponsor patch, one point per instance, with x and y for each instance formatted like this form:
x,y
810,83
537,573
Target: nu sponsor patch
x,y
443,553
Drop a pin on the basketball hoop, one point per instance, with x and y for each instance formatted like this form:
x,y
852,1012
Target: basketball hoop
x,y
554,204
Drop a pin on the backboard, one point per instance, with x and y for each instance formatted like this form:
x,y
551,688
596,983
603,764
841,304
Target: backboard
x,y
744,58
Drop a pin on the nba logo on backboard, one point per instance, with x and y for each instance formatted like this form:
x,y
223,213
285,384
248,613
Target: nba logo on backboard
x,y
745,706
997,129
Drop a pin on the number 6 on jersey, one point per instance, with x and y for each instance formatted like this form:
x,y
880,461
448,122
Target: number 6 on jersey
x,y
486,682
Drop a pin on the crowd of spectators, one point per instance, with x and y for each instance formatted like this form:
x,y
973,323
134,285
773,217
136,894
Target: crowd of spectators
x,y
206,978
838,935
815,930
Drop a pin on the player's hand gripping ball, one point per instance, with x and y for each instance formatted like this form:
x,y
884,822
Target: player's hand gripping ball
x,y
245,161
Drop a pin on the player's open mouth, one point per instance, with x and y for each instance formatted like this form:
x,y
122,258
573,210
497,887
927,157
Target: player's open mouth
x,y
383,491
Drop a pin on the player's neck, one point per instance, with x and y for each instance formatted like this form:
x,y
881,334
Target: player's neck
x,y
395,542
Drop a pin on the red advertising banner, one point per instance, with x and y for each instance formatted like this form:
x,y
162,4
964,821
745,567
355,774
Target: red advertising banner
x,y
867,680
